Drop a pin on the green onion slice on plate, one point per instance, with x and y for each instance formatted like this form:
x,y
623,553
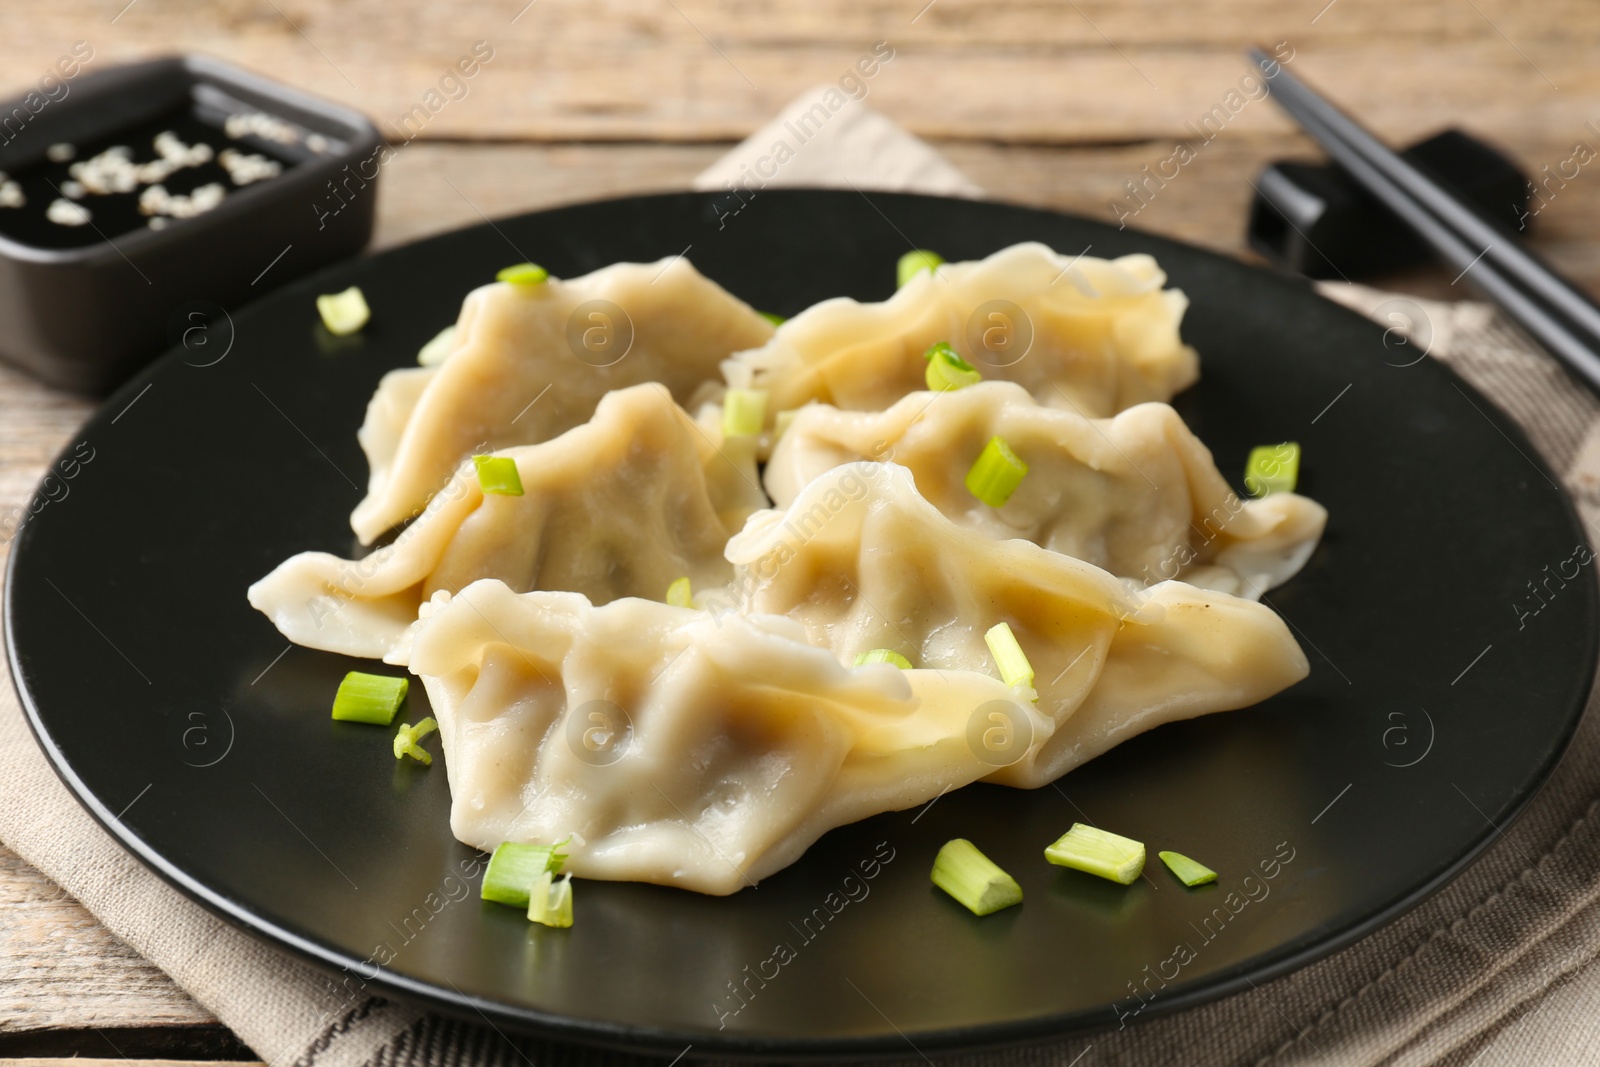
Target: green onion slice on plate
x,y
973,879
343,313
514,868
550,900
1190,872
372,698
406,741
1095,851
1272,469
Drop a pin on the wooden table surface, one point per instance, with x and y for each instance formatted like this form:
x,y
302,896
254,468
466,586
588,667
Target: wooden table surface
x,y
1040,102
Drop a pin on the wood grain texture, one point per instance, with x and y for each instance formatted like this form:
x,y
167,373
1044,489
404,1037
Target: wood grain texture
x,y
431,188
1024,71
60,969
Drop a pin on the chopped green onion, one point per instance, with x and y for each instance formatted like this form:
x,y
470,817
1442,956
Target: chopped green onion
x,y
514,868
996,474
374,698
550,901
782,421
1084,848
973,879
913,262
744,411
498,475
523,274
433,353
1190,872
1014,667
947,370
776,320
883,655
1272,469
405,742
343,313
679,592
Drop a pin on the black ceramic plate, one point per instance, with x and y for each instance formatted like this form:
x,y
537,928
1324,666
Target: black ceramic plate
x,y
1442,689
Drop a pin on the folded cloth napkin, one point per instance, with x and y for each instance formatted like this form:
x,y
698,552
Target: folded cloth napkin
x,y
1501,967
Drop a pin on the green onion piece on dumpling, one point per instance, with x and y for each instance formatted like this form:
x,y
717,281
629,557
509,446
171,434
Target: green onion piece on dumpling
x,y
497,475
523,275
996,473
744,412
915,262
883,655
947,370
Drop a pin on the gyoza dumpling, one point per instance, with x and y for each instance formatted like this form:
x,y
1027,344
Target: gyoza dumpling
x,y
388,414
1093,335
862,561
621,506
674,746
529,362
1137,494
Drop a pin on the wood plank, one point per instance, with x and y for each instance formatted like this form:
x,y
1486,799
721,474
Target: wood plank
x,y
430,188
1019,71
1205,204
60,969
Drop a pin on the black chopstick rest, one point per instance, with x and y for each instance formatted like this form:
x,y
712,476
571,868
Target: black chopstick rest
x,y
1305,215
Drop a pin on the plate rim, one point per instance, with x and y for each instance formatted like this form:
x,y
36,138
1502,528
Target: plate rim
x,y
637,1038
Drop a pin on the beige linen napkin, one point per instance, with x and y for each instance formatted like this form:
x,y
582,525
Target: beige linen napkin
x,y
1501,967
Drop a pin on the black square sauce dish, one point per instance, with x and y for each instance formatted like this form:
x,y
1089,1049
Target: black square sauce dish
x,y
143,200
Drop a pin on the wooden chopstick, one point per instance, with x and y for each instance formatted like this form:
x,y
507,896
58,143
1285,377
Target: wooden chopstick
x,y
1555,312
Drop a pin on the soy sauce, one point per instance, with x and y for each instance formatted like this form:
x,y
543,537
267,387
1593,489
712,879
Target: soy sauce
x,y
115,215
